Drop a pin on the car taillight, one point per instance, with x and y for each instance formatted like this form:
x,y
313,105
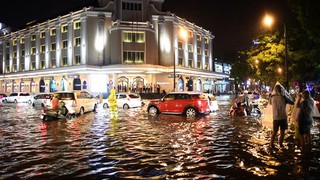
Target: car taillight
x,y
74,103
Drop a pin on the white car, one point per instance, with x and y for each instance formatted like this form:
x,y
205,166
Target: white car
x,y
18,97
212,101
125,100
77,102
42,99
3,98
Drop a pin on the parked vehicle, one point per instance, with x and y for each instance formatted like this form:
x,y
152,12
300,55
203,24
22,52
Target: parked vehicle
x,y
189,104
42,99
3,97
77,102
212,101
125,100
18,97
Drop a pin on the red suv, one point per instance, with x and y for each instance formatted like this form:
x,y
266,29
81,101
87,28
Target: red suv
x,y
187,103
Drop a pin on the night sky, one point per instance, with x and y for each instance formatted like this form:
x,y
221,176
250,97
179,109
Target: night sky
x,y
234,23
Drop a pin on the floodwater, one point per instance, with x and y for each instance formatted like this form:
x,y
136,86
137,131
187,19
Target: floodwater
x,y
133,145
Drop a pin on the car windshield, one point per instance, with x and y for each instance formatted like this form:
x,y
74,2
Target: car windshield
x,y
134,96
24,94
65,96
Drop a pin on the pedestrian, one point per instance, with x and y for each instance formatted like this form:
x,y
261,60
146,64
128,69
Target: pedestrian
x,y
305,119
278,100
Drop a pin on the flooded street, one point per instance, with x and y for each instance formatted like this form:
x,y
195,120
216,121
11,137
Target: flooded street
x,y
134,145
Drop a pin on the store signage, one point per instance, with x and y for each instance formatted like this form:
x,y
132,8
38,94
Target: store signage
x,y
73,76
171,76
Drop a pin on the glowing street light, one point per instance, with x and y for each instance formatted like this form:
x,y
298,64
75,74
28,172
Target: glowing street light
x,y
268,20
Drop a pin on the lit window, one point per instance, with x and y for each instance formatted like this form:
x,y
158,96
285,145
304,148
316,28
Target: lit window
x,y
199,65
190,34
8,44
199,50
22,40
180,61
65,61
33,65
33,37
190,62
15,54
77,25
33,50
42,34
77,59
64,44
206,52
52,32
198,37
207,66
206,40
7,68
22,53
190,48
137,37
131,6
42,49
180,45
53,63
14,68
14,42
53,46
64,28
42,64
77,41
133,57
22,66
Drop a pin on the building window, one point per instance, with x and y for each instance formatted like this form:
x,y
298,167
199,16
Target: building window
x,y
77,41
64,44
137,37
53,47
22,66
42,34
33,50
199,50
53,63
14,68
22,53
42,64
206,40
15,54
52,32
77,59
7,44
22,40
33,65
7,68
190,34
33,37
206,52
42,49
77,25
180,45
190,48
180,61
64,28
14,42
199,65
65,61
133,57
190,63
198,37
207,66
131,6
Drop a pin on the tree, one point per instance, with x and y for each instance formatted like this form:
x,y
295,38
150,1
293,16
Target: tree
x,y
308,15
239,72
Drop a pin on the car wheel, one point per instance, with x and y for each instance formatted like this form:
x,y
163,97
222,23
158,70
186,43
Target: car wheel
x,y
126,106
33,105
94,108
81,111
153,110
29,102
105,105
191,112
15,101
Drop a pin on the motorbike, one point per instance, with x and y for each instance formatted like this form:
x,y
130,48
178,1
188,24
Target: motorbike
x,y
241,109
52,114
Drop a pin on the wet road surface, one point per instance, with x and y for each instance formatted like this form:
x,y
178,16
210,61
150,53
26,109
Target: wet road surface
x,y
134,145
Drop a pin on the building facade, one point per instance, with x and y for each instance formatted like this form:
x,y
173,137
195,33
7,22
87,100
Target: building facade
x,y
130,45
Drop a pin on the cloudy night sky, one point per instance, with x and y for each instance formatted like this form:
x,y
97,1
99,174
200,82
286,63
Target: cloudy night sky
x,y
234,23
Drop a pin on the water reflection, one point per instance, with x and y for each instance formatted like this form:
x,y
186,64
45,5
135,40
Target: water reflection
x,y
135,145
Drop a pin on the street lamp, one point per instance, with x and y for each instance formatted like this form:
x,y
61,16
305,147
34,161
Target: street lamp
x,y
268,20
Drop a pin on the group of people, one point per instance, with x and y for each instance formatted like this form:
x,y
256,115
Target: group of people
x,y
303,107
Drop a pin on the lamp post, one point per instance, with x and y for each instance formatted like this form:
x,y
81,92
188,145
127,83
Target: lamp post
x,y
268,20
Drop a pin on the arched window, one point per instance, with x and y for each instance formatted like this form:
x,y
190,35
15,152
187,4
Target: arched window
x,y
138,83
123,84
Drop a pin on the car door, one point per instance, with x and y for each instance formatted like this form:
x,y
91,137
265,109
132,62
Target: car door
x,y
167,104
121,99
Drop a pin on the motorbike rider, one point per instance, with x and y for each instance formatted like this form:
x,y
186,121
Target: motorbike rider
x,y
246,102
55,103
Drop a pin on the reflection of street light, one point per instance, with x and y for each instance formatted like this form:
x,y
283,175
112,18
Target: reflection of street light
x,y
268,20
279,70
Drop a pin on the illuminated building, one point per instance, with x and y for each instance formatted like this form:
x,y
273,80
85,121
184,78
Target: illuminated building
x,y
129,45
